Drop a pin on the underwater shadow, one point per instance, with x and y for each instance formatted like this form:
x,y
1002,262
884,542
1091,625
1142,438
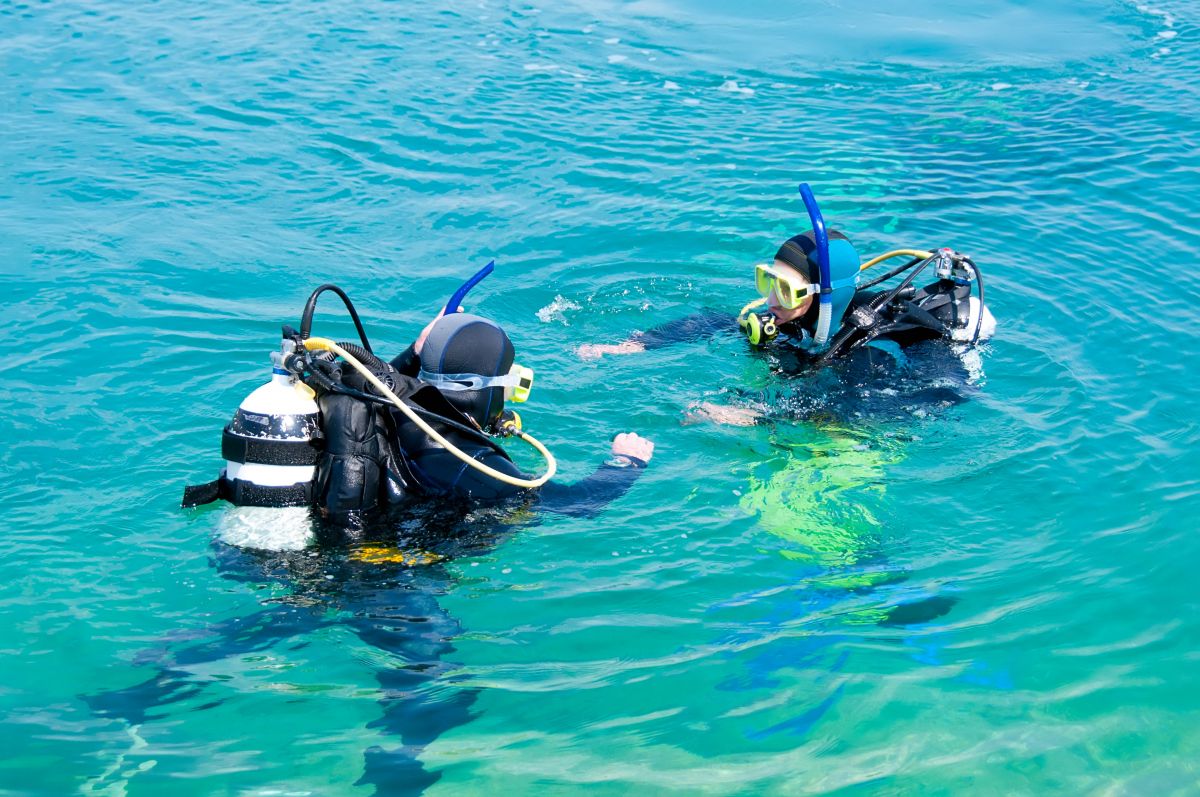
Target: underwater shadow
x,y
383,583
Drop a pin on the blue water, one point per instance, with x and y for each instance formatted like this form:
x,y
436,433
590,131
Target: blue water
x,y
995,597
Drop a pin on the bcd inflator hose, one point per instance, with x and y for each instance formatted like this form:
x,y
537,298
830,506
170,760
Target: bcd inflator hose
x,y
919,253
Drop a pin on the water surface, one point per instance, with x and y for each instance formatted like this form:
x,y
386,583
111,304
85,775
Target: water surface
x,y
177,178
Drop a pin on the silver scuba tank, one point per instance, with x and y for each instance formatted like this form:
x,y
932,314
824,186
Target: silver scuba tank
x,y
268,446
270,455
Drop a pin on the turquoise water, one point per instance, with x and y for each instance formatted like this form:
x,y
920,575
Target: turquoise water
x,y
177,177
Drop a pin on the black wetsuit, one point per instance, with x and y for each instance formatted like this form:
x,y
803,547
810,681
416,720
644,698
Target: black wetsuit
x,y
438,473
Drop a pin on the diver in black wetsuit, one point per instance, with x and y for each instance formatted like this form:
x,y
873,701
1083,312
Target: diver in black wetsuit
x,y
399,496
470,360
456,377
357,436
819,313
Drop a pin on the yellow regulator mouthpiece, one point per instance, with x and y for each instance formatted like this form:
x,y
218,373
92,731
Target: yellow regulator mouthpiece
x,y
508,424
758,330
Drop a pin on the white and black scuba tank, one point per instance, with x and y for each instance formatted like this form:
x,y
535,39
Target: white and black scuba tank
x,y
269,446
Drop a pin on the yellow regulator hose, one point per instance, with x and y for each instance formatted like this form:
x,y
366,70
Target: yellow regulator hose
x,y
324,344
895,253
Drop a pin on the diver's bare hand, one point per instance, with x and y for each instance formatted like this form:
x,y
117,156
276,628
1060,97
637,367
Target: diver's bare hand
x,y
593,351
629,444
723,413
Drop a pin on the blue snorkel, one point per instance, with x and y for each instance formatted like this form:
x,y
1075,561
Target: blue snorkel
x,y
460,294
824,319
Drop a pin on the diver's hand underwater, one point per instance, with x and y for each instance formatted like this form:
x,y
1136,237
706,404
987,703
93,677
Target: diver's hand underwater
x,y
594,351
721,413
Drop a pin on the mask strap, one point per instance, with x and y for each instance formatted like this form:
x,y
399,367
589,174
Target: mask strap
x,y
460,382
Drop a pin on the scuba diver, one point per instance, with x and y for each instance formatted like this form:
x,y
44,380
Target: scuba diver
x,y
399,460
842,351
358,436
819,313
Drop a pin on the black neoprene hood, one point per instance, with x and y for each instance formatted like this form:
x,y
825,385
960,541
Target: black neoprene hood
x,y
462,343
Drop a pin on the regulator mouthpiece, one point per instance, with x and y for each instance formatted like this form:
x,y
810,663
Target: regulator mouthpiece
x,y
760,329
508,424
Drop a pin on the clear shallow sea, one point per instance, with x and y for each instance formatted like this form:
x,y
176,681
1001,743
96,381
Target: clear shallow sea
x,y
175,178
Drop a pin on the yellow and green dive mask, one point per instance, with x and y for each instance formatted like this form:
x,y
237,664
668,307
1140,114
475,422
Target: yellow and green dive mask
x,y
790,291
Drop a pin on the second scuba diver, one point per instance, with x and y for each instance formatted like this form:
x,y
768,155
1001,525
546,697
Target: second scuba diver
x,y
820,311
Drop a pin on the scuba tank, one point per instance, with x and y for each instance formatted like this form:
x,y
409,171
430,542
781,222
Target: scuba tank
x,y
270,445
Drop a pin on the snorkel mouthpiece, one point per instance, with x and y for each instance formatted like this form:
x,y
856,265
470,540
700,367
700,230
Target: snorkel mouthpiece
x,y
825,317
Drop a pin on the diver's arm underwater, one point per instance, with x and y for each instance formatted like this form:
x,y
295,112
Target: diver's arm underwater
x,y
698,326
880,381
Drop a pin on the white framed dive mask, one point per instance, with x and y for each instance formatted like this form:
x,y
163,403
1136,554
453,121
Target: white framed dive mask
x,y
517,383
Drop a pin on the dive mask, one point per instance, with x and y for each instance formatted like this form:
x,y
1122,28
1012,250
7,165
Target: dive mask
x,y
790,291
516,383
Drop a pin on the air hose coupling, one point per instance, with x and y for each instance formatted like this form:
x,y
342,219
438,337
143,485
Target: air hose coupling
x,y
508,424
944,260
292,356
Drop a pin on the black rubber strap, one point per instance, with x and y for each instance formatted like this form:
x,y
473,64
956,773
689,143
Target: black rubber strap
x,y
197,494
243,493
924,318
236,448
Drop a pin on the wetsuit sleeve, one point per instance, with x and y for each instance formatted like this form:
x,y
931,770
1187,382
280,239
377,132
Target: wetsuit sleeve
x,y
441,473
408,362
698,326
587,498
470,483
